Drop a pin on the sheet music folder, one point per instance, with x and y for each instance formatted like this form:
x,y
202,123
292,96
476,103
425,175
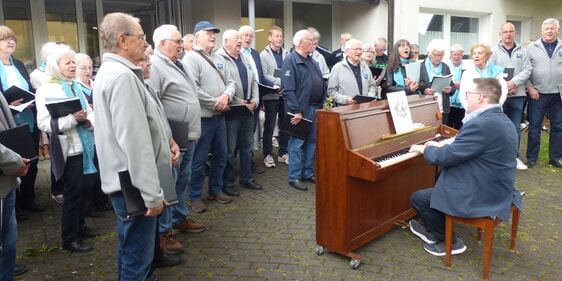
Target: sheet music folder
x,y
19,140
363,99
440,82
238,110
15,93
180,133
299,130
134,204
264,89
59,108
376,71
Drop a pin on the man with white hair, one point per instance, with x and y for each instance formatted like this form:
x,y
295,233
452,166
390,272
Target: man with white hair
x,y
178,94
544,86
133,136
304,93
239,126
215,89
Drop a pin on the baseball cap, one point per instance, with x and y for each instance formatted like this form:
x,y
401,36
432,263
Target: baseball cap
x,y
205,25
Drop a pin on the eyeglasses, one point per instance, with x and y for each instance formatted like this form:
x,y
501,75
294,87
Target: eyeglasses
x,y
356,49
369,52
467,93
307,39
177,41
381,49
210,34
86,68
8,39
142,36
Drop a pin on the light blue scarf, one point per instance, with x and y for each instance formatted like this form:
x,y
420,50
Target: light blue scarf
x,y
457,71
26,116
398,77
86,136
431,71
490,70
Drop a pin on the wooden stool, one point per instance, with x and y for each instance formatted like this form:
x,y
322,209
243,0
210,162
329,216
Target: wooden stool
x,y
488,224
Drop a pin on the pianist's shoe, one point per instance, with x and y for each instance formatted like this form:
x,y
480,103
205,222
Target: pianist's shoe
x,y
299,185
420,231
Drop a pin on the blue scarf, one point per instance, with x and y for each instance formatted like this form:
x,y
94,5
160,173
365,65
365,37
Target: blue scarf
x,y
86,136
431,71
398,77
26,116
490,70
455,99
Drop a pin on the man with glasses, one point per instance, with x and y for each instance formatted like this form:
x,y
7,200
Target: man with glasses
x,y
178,94
381,61
511,55
133,136
544,86
477,170
215,88
304,93
350,77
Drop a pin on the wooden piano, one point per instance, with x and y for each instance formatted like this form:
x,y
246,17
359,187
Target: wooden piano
x,y
361,191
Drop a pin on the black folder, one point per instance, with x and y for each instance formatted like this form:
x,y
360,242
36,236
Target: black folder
x,y
363,99
264,89
64,107
180,133
167,183
134,204
376,71
19,140
508,74
238,111
15,93
299,130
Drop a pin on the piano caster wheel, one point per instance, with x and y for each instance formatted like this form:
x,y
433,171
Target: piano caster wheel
x,y
319,250
354,264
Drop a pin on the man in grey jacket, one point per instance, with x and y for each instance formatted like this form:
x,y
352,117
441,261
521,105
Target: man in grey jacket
x,y
178,95
239,125
133,136
271,60
511,55
12,166
545,57
215,89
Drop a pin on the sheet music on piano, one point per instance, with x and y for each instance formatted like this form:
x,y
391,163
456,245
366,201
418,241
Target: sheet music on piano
x,y
400,111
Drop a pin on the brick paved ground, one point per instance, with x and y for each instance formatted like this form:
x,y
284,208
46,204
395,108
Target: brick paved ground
x,y
270,235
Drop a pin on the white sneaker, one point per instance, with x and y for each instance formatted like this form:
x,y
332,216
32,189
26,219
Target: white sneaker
x,y
284,158
268,161
275,142
520,165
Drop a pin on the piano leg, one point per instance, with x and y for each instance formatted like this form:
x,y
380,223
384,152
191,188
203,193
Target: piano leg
x,y
353,263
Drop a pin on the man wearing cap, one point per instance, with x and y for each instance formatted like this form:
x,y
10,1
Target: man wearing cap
x,y
215,89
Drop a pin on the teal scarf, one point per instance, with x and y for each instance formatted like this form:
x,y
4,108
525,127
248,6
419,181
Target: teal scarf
x,y
398,76
86,136
26,116
490,70
455,99
431,71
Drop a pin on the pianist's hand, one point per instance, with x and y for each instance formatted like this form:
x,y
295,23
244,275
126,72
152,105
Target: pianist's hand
x,y
433,143
296,119
417,148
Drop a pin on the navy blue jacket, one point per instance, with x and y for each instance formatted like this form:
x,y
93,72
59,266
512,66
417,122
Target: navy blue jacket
x,y
478,169
257,60
296,84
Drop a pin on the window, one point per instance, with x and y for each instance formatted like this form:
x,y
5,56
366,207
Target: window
x,y
454,29
18,17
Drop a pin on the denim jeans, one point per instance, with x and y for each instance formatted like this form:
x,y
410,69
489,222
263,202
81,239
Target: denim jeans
x,y
239,136
175,214
9,237
274,109
513,108
136,242
302,151
536,111
213,140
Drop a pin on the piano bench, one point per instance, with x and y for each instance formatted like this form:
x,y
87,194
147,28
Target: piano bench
x,y
486,223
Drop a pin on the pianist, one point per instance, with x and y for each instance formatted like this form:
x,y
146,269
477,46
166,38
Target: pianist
x,y
478,170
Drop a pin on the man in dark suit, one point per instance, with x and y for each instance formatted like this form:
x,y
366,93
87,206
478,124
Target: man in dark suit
x,y
478,170
337,55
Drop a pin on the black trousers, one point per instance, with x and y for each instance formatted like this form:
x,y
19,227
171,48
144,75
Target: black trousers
x,y
76,192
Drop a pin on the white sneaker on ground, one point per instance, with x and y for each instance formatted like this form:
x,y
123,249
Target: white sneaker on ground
x,y
284,158
520,165
269,162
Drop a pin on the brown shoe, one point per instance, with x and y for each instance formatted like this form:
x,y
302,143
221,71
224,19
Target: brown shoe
x,y
197,206
40,154
188,225
220,197
169,244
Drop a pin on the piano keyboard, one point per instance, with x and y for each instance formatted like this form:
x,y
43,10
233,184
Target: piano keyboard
x,y
405,154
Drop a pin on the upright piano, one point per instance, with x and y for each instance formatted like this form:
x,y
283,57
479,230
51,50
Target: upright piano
x,y
365,174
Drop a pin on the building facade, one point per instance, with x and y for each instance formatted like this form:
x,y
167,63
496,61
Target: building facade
x,y
75,21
